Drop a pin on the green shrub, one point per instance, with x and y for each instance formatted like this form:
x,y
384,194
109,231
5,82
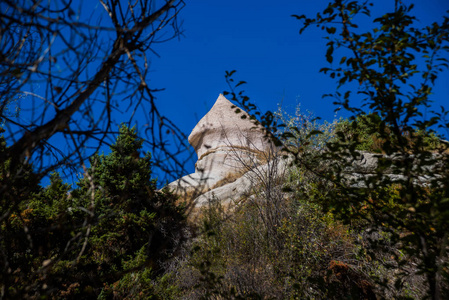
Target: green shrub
x,y
364,131
111,236
237,255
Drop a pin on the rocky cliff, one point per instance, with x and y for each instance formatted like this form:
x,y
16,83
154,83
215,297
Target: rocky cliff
x,y
228,145
236,155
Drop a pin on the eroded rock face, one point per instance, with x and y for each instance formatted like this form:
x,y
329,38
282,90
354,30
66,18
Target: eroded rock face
x,y
228,144
227,125
225,139
235,156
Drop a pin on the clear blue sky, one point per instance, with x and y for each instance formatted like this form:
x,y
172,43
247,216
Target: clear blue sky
x,y
260,40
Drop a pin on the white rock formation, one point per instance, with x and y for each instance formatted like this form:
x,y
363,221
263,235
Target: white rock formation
x,y
236,158
247,185
228,144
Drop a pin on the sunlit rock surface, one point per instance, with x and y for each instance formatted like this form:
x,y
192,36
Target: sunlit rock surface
x,y
236,157
228,144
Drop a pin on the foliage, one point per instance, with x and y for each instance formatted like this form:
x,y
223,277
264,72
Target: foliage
x,y
403,203
362,131
380,65
109,236
274,245
66,74
313,232
238,255
300,131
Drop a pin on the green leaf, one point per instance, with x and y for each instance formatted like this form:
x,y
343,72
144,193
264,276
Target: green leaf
x,y
314,132
329,52
298,17
331,30
240,83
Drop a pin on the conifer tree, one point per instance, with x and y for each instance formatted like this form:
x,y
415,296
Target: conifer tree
x,y
111,235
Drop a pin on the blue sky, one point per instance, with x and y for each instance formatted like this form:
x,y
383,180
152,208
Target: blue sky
x,y
260,40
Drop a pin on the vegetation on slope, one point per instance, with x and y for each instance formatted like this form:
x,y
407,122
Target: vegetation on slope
x,y
107,237
312,233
